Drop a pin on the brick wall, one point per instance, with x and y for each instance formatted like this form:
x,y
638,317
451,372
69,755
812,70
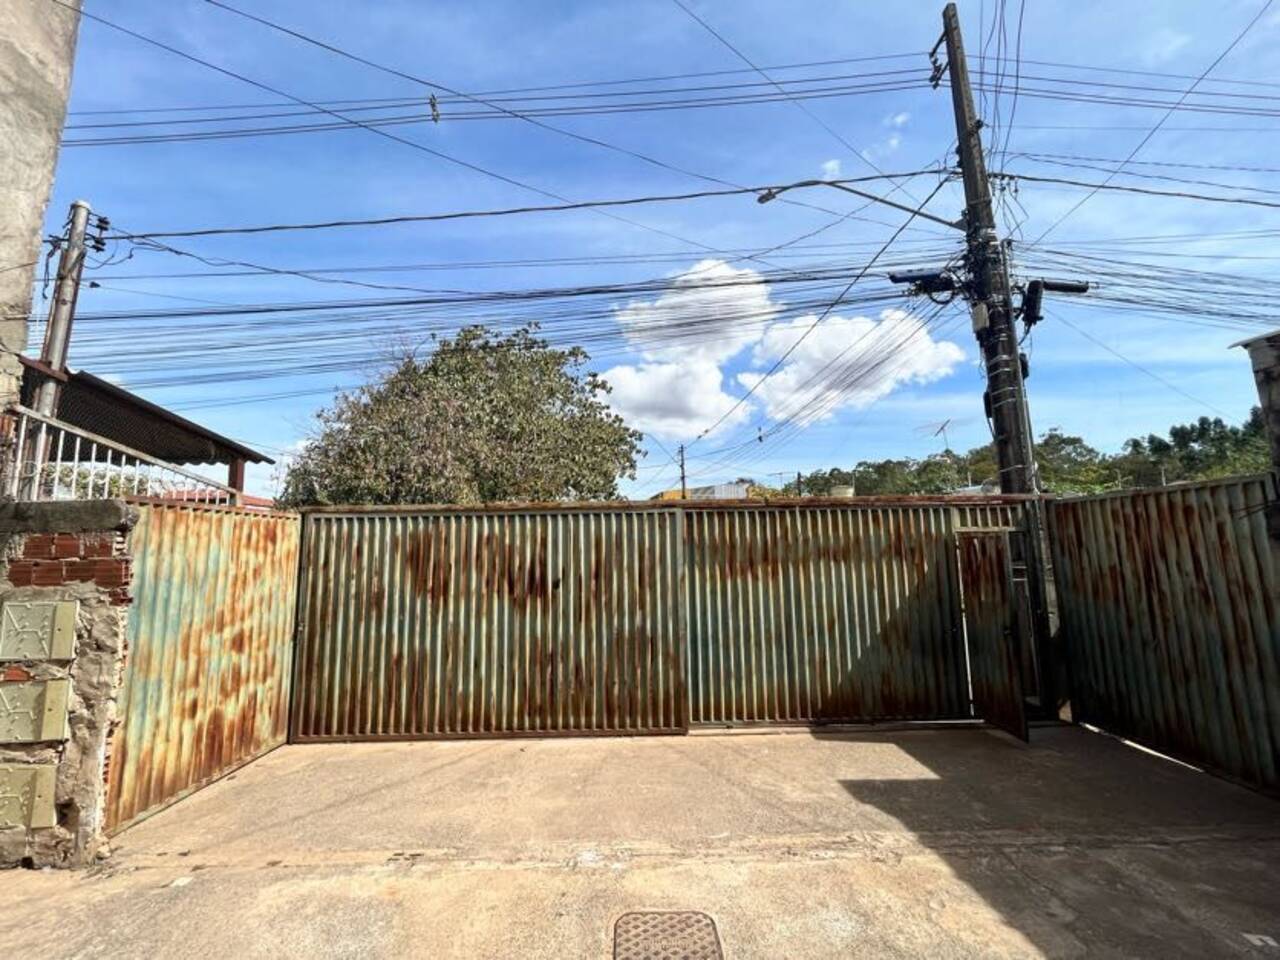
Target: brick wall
x,y
72,558
54,559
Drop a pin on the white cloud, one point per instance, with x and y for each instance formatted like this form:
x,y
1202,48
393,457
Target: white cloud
x,y
673,400
678,388
831,170
729,306
846,362
897,120
882,148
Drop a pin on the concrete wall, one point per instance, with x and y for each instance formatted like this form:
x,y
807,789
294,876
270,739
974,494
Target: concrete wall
x,y
37,44
58,703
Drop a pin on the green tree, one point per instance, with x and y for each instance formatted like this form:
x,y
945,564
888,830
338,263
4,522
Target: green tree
x,y
1069,465
484,417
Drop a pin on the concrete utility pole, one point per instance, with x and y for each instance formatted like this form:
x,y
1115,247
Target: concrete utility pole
x,y
992,303
62,313
684,487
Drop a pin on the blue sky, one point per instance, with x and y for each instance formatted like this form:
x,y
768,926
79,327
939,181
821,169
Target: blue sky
x,y
674,392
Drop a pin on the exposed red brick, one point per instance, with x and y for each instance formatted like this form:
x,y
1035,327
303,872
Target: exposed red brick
x,y
66,545
20,572
111,573
38,546
80,569
98,545
15,673
47,573
120,596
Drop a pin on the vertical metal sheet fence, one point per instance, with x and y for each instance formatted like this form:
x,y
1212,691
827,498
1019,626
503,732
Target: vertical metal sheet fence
x,y
420,623
453,622
1170,606
210,639
992,629
827,613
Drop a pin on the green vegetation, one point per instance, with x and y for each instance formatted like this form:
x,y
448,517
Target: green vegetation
x,y
484,417
1202,450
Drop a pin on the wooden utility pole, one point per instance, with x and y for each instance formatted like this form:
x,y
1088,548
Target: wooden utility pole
x,y
991,303
62,313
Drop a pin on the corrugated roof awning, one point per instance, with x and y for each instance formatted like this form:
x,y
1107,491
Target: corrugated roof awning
x,y
100,407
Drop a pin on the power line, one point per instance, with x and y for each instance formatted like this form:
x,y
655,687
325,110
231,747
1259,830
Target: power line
x,y
578,84
825,313
1139,367
646,158
507,211
382,133
1126,188
809,113
1160,123
438,86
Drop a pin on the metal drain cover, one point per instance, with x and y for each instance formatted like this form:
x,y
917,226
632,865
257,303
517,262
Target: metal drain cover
x,y
666,935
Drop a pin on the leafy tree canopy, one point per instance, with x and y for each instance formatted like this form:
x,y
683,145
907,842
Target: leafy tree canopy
x,y
484,417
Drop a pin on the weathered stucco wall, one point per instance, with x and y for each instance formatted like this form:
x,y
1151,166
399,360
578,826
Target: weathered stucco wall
x,y
53,780
37,45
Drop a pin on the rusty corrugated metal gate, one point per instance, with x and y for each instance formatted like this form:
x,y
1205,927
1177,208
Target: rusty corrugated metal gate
x,y
419,622
210,639
1170,606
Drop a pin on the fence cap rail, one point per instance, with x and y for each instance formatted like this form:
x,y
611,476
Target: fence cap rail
x,y
205,506
658,506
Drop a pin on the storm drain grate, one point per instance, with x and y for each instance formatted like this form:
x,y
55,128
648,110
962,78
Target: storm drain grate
x,y
666,935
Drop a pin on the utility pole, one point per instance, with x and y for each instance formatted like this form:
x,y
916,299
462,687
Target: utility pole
x,y
799,485
992,303
62,312
684,488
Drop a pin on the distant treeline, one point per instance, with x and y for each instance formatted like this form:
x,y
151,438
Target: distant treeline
x,y
1201,450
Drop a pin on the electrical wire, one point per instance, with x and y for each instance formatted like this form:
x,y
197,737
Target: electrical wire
x,y
507,211
1160,123
825,313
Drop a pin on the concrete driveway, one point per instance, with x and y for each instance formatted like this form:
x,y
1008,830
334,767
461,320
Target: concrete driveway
x,y
909,843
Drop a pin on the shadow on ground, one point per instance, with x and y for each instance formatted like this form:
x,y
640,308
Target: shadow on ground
x,y
1083,840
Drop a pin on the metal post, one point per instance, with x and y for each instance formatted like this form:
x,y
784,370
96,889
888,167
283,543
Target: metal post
x,y
62,313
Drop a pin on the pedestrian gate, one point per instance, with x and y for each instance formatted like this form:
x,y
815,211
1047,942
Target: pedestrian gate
x,y
608,619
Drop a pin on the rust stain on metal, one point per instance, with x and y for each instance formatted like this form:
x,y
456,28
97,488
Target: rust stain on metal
x,y
991,626
210,634
446,623
1170,605
846,611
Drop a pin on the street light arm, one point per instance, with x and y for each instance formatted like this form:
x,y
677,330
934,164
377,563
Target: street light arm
x,y
774,192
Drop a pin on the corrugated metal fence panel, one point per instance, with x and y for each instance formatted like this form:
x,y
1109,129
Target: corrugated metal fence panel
x,y
991,627
210,639
1170,605
827,613
455,623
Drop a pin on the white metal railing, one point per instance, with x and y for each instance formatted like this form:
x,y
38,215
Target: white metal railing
x,y
46,459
